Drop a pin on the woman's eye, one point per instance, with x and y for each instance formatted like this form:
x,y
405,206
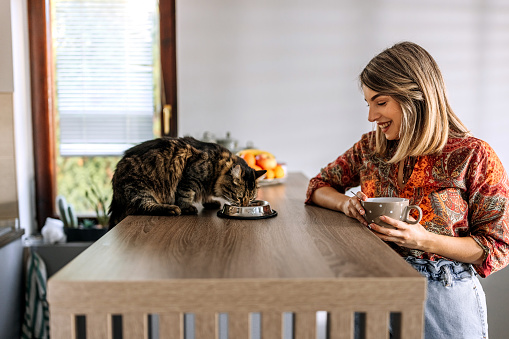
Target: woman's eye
x,y
382,103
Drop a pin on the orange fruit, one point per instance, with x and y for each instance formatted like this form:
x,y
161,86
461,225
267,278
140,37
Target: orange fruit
x,y
249,158
256,168
269,174
279,171
265,162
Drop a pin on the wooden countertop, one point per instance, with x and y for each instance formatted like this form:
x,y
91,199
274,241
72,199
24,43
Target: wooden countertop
x,y
305,242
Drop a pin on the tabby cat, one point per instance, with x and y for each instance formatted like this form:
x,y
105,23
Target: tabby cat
x,y
166,176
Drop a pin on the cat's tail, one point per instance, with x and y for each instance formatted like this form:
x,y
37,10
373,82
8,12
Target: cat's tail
x,y
115,213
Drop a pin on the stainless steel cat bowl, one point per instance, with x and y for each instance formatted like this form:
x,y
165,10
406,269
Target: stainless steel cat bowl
x,y
257,209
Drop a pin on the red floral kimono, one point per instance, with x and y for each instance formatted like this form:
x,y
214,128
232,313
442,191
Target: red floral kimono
x,y
464,191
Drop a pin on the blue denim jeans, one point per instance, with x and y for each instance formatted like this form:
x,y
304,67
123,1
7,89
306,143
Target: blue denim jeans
x,y
455,304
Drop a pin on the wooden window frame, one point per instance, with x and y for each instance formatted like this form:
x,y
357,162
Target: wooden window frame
x,y
42,91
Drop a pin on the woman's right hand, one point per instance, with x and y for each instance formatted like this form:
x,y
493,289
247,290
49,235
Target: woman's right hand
x,y
330,198
353,208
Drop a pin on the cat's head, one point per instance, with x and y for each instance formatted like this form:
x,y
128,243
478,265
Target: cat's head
x,y
238,185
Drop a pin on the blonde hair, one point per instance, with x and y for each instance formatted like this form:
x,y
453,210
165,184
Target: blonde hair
x,y
410,75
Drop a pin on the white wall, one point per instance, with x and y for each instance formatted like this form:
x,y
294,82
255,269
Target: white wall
x,y
283,74
16,165
23,117
6,79
8,189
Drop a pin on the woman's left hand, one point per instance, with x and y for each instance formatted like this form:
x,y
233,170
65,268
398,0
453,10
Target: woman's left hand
x,y
413,236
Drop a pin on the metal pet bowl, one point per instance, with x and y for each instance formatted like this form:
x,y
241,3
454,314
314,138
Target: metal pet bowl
x,y
257,209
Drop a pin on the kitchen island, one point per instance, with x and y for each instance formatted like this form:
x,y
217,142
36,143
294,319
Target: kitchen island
x,y
304,260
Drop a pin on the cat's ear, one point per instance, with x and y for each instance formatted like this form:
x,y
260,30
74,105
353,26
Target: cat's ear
x,y
236,172
259,173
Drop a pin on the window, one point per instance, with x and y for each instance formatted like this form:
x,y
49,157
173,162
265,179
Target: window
x,y
106,74
102,89
106,89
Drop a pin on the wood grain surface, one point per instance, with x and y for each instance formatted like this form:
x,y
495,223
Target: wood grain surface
x,y
304,260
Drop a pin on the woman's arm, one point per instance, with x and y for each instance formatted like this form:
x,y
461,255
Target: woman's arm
x,y
464,249
330,198
340,174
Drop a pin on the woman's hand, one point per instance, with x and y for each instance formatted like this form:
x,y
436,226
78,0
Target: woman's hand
x,y
464,249
330,198
353,208
413,236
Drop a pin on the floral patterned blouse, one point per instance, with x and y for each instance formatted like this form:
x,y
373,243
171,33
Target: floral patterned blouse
x,y
464,191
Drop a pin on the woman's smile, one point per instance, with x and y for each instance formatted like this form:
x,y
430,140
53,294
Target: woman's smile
x,y
384,126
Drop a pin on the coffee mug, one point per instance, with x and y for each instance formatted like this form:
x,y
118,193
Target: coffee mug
x,y
396,208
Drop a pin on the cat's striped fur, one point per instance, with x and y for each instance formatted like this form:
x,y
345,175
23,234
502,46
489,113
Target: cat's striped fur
x,y
166,176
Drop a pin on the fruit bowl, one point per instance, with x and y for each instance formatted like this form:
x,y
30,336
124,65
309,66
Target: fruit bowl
x,y
257,209
263,160
263,181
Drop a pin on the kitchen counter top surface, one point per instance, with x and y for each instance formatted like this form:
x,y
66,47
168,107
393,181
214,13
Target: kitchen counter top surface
x,y
300,242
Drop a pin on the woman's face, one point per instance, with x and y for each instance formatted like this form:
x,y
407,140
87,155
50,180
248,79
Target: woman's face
x,y
385,111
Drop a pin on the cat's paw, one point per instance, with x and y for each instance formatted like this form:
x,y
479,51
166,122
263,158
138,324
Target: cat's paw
x,y
212,205
173,210
189,210
161,209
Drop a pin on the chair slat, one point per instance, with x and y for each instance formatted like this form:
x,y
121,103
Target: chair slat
x,y
63,325
305,325
272,324
412,320
341,324
135,326
238,325
171,325
377,324
206,326
98,325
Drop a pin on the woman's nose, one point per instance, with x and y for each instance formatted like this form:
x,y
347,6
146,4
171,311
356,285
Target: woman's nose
x,y
372,115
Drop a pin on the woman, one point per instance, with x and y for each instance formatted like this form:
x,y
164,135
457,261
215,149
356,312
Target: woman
x,y
421,150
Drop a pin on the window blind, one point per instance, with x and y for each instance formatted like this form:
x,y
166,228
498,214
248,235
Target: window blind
x,y
104,69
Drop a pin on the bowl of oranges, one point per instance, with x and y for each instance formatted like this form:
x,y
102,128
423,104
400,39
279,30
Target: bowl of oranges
x,y
263,160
